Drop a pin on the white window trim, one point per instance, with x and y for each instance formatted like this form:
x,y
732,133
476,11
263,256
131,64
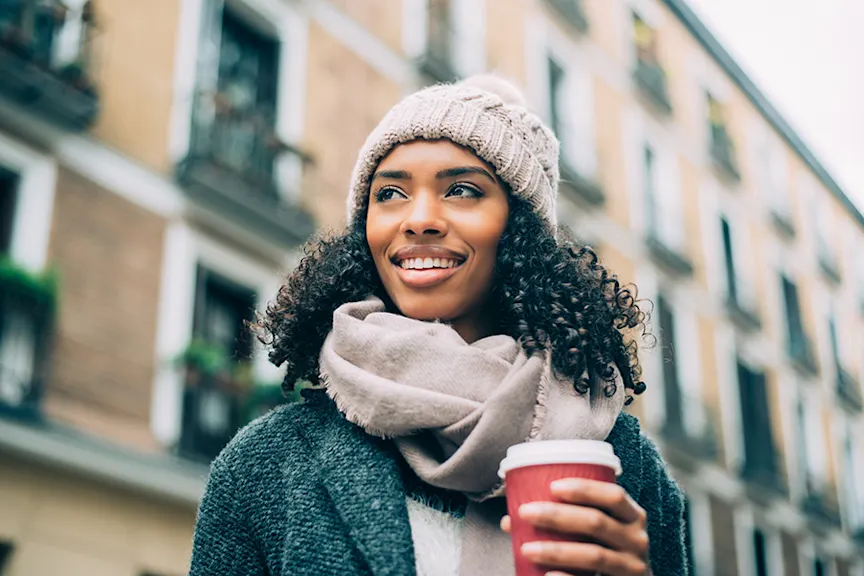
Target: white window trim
x,y
702,539
184,250
34,203
776,195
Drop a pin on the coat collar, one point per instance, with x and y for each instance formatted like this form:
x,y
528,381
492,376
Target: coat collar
x,y
362,477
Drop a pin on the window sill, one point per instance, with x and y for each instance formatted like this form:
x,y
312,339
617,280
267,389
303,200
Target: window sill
x,y
586,190
667,257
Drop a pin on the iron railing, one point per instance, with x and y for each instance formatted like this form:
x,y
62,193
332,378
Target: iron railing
x,y
848,390
40,72
652,82
26,324
723,152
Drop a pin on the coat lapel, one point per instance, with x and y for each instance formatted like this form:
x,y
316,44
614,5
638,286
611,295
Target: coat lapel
x,y
361,474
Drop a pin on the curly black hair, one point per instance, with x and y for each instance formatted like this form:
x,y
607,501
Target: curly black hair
x,y
551,293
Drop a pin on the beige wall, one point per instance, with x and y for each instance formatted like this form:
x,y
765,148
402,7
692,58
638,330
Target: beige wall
x,y
108,253
383,18
336,122
135,71
505,43
64,524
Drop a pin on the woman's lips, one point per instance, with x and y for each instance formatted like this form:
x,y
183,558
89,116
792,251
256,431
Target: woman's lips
x,y
425,278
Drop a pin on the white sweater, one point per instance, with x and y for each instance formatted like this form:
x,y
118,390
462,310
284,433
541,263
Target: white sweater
x,y
436,537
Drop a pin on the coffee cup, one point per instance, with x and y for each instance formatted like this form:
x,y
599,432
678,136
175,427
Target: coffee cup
x,y
528,471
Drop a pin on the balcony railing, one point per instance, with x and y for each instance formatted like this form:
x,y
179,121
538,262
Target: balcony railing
x,y
800,351
588,190
762,470
651,80
573,12
38,70
723,153
821,507
231,167
27,304
697,445
217,401
783,223
829,266
437,60
668,257
848,390
743,315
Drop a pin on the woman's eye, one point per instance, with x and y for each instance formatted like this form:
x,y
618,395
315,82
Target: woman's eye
x,y
388,193
464,191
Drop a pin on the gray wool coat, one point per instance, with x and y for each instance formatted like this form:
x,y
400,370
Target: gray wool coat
x,y
301,491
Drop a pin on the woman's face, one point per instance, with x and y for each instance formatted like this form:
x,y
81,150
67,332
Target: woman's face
x,y
436,214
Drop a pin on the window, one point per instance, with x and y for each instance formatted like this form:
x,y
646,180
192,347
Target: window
x,y
722,148
8,198
798,345
818,567
674,403
649,184
648,74
760,463
728,258
439,31
774,175
853,483
218,371
571,118
6,549
663,209
556,97
760,553
645,40
810,432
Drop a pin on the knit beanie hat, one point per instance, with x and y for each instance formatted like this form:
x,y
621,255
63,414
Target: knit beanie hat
x,y
484,113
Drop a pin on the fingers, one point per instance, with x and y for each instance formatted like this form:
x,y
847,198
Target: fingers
x,y
584,521
505,524
580,556
603,495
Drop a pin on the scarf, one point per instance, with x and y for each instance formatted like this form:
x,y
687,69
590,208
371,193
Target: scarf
x,y
453,409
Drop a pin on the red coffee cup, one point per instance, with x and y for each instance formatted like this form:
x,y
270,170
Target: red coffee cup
x,y
528,471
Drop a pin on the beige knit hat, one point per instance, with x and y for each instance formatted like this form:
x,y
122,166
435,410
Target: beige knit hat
x,y
484,113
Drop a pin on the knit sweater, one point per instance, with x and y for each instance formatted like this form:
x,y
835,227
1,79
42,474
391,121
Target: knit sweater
x,y
301,491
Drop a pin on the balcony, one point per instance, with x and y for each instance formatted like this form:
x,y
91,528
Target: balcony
x,y
219,398
821,508
685,447
829,266
573,13
436,63
782,221
848,390
763,475
588,191
743,315
651,80
800,352
49,77
723,154
27,304
667,257
231,169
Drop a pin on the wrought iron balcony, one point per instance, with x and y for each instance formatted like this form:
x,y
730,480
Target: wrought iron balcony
x,y
848,390
437,61
829,266
821,507
783,223
38,71
800,351
27,304
585,189
231,168
651,80
668,257
573,12
683,443
743,315
723,153
764,473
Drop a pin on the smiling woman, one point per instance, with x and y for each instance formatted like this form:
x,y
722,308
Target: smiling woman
x,y
451,320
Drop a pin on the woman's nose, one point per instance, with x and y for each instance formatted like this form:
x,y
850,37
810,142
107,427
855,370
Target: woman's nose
x,y
425,216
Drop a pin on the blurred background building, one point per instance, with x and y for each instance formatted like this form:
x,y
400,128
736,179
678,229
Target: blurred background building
x,y
161,163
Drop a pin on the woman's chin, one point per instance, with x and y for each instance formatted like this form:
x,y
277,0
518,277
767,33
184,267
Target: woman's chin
x,y
428,309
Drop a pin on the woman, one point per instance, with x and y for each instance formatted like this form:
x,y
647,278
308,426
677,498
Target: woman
x,y
449,322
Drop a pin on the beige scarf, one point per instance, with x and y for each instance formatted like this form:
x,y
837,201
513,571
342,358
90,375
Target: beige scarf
x,y
396,377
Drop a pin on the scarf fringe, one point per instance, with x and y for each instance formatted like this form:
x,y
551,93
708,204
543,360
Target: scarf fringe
x,y
353,415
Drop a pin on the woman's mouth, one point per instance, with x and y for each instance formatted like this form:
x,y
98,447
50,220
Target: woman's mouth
x,y
426,272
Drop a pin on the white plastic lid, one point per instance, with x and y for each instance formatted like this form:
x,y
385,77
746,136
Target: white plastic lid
x,y
560,452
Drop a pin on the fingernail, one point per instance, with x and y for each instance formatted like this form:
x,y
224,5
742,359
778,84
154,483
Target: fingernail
x,y
532,548
566,484
532,509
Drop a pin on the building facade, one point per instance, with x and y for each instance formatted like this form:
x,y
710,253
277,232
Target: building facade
x,y
162,163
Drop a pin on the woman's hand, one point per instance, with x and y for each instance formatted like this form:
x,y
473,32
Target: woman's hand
x,y
601,511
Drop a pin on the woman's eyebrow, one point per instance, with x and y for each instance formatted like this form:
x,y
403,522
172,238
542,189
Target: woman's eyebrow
x,y
392,175
462,170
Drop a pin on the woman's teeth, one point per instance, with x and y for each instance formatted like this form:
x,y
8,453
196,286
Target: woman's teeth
x,y
424,263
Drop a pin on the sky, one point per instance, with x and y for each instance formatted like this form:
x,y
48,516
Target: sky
x,y
808,59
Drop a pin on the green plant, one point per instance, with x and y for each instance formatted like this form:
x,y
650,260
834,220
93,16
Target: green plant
x,y
204,357
40,287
